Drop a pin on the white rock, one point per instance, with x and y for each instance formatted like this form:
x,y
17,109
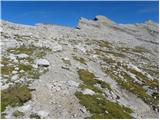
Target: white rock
x,y
22,55
83,110
16,61
80,47
12,57
134,67
21,71
24,108
1,65
14,77
88,92
34,66
57,48
4,86
73,83
42,62
16,68
66,58
95,56
58,88
43,114
14,72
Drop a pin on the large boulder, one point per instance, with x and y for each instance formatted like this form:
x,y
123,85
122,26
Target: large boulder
x,y
42,63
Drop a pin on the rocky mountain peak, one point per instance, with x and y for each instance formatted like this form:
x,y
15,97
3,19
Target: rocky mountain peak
x,y
103,19
98,21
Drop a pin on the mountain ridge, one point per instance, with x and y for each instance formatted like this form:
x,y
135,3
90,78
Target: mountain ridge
x,y
99,70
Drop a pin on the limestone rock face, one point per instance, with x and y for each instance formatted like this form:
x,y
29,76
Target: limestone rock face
x,y
104,20
98,22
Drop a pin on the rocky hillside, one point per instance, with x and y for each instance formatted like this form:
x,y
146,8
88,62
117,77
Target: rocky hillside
x,y
101,69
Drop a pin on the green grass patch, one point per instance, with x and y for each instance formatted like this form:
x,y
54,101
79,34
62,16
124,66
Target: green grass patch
x,y
101,108
103,43
90,79
116,54
80,59
139,49
28,59
93,88
132,87
97,104
25,67
22,49
15,96
7,70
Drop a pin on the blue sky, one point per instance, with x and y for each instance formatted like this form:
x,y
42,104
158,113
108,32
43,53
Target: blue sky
x,y
68,13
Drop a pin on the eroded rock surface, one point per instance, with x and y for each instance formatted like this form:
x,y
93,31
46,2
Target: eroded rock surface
x,y
84,72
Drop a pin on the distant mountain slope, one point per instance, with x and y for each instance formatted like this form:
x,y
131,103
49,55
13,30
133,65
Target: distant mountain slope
x,y
100,69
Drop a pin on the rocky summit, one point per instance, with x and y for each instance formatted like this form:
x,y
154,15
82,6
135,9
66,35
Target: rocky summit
x,y
100,69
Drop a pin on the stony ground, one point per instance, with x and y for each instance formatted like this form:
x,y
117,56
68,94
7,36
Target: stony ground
x,y
99,70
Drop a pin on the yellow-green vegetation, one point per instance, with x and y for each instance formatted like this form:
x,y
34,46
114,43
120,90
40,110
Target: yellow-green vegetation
x,y
25,67
97,104
116,54
7,70
34,74
21,37
106,52
15,96
139,49
147,81
103,43
90,79
5,61
30,50
127,82
136,49
28,59
66,61
101,108
80,59
22,49
18,113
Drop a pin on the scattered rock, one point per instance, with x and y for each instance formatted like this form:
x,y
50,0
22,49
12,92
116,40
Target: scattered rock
x,y
57,48
43,114
65,67
4,86
42,62
88,92
73,83
83,110
34,66
14,72
35,116
22,56
14,77
24,108
21,71
16,68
